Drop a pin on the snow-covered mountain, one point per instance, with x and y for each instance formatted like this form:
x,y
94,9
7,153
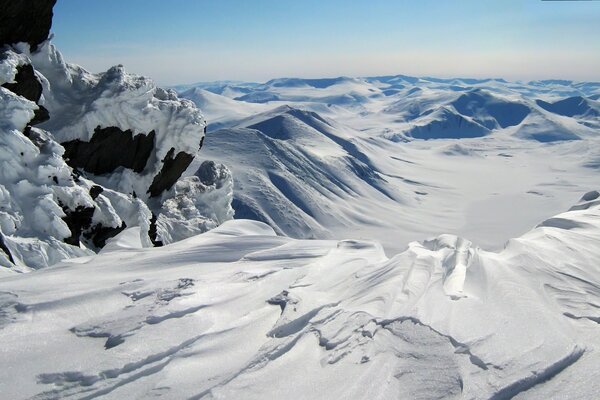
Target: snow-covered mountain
x,y
83,156
300,173
503,155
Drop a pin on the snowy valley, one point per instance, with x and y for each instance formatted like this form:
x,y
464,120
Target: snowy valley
x,y
355,238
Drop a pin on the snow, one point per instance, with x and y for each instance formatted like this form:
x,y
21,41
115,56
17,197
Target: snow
x,y
36,184
336,279
221,108
241,310
200,202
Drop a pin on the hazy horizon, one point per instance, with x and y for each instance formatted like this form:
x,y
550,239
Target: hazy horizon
x,y
201,41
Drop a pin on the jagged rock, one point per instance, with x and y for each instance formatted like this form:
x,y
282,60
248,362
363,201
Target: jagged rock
x,y
170,172
209,174
118,102
99,234
77,220
5,249
109,149
26,84
40,115
95,191
153,232
129,136
25,21
29,86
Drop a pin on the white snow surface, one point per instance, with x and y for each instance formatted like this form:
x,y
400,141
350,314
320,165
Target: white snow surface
x,y
239,312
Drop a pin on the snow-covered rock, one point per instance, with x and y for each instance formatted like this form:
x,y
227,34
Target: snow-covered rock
x,y
200,202
47,210
105,153
92,114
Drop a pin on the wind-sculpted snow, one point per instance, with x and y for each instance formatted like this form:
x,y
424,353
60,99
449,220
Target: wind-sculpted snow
x,y
240,312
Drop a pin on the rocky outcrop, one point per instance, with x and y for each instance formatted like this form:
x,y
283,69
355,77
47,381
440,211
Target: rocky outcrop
x,y
115,119
27,85
5,249
109,149
25,21
170,172
124,144
99,234
198,203
77,220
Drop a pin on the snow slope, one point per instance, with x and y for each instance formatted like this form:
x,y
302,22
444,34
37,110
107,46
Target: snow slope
x,y
239,311
300,173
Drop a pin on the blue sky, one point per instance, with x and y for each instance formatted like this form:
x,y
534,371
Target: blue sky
x,y
181,41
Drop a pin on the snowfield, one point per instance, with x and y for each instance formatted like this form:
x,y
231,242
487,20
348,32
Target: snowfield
x,y
240,311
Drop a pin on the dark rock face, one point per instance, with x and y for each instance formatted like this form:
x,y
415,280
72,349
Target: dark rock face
x,y
95,191
5,249
77,220
109,149
25,21
208,173
28,85
153,234
40,115
100,234
170,172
